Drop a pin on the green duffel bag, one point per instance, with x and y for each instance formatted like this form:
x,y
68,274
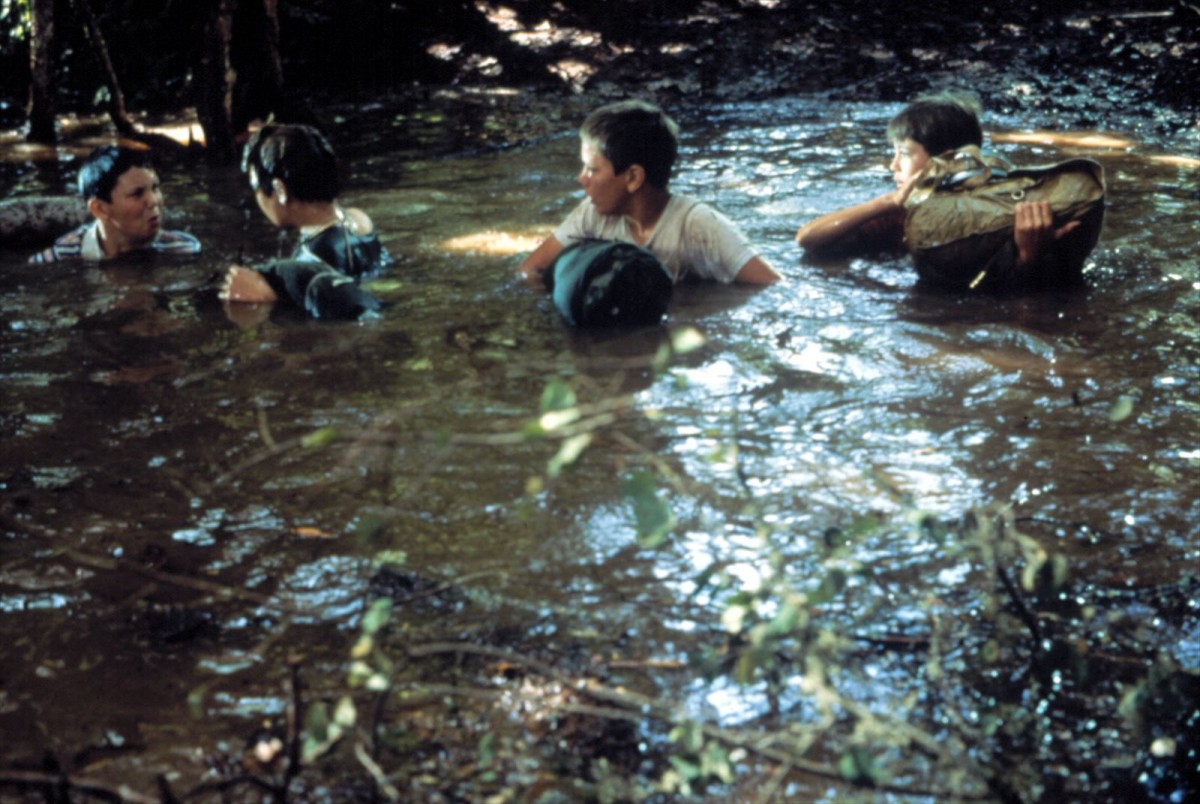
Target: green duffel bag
x,y
959,221
596,283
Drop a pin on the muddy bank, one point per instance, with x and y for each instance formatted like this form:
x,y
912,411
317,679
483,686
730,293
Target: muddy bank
x,y
1093,66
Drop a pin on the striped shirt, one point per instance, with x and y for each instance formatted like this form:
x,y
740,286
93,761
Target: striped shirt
x,y
84,244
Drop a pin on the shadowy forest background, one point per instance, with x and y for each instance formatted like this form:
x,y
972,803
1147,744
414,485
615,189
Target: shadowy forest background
x,y
232,61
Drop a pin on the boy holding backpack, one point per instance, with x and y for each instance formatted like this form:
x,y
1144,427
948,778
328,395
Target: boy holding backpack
x,y
628,151
1039,253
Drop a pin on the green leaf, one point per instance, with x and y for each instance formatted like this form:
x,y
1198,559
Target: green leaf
x,y
377,616
688,770
654,518
557,395
419,364
686,339
195,700
714,761
383,285
345,715
487,752
568,453
319,438
833,583
857,766
1121,409
316,721
785,619
390,558
363,647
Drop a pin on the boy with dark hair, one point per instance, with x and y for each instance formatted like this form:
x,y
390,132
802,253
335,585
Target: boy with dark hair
x,y
928,127
628,150
293,173
124,197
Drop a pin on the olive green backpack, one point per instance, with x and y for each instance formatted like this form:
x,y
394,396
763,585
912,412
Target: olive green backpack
x,y
959,221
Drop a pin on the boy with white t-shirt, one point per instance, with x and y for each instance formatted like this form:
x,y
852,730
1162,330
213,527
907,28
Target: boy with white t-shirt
x,y
628,151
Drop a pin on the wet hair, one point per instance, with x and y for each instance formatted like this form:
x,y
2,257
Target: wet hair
x,y
940,123
634,132
105,165
299,156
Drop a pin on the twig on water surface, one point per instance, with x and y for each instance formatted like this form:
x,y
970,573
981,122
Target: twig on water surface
x,y
198,584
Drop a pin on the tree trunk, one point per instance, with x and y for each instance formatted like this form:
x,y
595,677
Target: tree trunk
x,y
41,68
215,77
272,45
116,99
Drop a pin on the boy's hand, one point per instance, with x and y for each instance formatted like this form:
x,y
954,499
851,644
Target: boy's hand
x,y
904,190
246,285
1033,230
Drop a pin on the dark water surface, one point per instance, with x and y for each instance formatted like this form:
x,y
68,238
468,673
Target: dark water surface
x,y
140,423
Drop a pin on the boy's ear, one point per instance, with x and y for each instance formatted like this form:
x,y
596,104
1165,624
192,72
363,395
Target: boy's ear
x,y
97,208
635,177
280,190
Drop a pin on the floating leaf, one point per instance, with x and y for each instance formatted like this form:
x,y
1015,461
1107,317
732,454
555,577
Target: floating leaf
x,y
419,364
1121,409
319,438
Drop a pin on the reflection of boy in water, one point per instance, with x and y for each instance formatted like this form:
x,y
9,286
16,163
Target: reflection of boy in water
x,y
293,173
124,198
628,151
927,127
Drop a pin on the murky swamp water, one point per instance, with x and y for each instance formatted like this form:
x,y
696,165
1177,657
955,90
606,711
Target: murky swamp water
x,y
144,425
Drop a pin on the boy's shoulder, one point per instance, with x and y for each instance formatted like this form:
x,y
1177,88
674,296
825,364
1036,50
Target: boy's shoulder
x,y
69,246
176,242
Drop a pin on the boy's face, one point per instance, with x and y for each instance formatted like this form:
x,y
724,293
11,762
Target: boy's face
x,y
608,190
134,215
910,159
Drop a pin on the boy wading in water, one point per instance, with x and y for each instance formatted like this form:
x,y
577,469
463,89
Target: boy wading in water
x,y
124,198
934,126
293,173
628,150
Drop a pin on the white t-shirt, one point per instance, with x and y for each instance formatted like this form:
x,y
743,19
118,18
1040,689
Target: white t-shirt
x,y
691,238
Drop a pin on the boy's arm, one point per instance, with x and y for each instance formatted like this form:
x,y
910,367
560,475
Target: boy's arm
x,y
837,228
534,266
757,272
